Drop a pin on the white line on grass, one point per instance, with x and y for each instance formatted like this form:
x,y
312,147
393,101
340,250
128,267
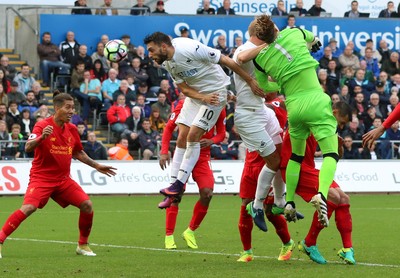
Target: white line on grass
x,y
182,251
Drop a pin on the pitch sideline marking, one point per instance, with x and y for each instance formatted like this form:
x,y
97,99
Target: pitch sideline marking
x,y
183,251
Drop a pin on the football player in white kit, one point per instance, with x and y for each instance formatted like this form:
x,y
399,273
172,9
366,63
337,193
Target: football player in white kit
x,y
194,67
260,131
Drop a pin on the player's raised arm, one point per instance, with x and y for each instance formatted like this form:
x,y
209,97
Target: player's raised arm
x,y
249,54
226,61
104,169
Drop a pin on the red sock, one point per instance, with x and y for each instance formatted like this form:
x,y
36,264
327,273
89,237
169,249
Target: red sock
x,y
170,220
316,226
281,227
199,212
11,224
85,227
344,224
245,228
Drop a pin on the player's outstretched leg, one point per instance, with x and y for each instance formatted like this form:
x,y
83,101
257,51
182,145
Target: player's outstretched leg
x,y
347,255
312,252
258,216
319,203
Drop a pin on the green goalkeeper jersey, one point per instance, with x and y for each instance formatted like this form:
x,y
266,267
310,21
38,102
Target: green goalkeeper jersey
x,y
286,57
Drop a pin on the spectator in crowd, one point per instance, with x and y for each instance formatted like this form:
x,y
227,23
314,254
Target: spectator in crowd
x,y
17,149
3,96
131,82
333,76
106,9
185,32
392,66
134,124
156,122
352,46
15,95
322,78
99,55
13,111
359,103
355,130
393,102
221,45
393,134
95,150
37,91
24,79
26,123
316,9
369,75
206,9
226,9
390,11
30,103
43,112
49,55
380,90
383,77
163,106
139,73
384,147
9,69
372,63
335,98
354,10
349,150
82,131
336,51
104,39
280,9
344,94
396,81
323,62
380,109
91,88
145,61
82,56
130,96
299,8
369,117
109,86
359,79
117,115
347,76
348,59
291,21
225,150
384,51
156,73
98,71
148,140
4,136
171,94
5,117
141,103
369,152
83,10
370,43
131,47
4,81
77,79
140,8
120,151
150,96
69,49
160,8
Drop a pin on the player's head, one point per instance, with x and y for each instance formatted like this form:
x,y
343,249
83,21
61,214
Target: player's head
x,y
64,107
342,112
157,46
266,30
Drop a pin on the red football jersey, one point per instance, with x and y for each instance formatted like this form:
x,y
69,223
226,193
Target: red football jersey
x,y
52,160
286,153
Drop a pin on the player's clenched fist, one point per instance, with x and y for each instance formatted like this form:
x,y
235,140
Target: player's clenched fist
x,y
47,131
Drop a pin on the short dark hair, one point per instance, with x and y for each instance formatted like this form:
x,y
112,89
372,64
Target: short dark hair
x,y
46,33
344,109
25,65
265,28
157,38
59,99
291,16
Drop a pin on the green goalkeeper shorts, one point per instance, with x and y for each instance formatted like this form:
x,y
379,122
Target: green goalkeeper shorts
x,y
310,112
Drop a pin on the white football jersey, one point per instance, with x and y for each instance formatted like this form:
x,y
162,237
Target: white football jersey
x,y
197,65
245,97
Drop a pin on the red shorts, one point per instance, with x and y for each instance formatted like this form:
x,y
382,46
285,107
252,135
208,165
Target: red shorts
x,y
308,182
202,173
248,182
65,193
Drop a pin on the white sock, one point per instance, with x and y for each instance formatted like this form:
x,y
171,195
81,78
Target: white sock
x,y
263,185
176,163
279,190
190,158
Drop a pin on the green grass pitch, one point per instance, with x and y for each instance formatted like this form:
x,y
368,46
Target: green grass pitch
x,y
128,237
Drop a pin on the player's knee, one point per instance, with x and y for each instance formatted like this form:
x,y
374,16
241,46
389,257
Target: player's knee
x,y
28,209
344,199
206,195
86,206
333,196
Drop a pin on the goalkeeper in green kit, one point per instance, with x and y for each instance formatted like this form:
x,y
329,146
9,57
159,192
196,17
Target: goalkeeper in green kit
x,y
285,58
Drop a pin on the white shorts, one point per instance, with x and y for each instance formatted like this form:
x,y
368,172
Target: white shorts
x,y
197,113
259,129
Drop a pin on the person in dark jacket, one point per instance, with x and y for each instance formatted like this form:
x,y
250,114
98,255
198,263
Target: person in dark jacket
x,y
95,150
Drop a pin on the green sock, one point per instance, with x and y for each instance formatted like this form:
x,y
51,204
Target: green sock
x,y
292,178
